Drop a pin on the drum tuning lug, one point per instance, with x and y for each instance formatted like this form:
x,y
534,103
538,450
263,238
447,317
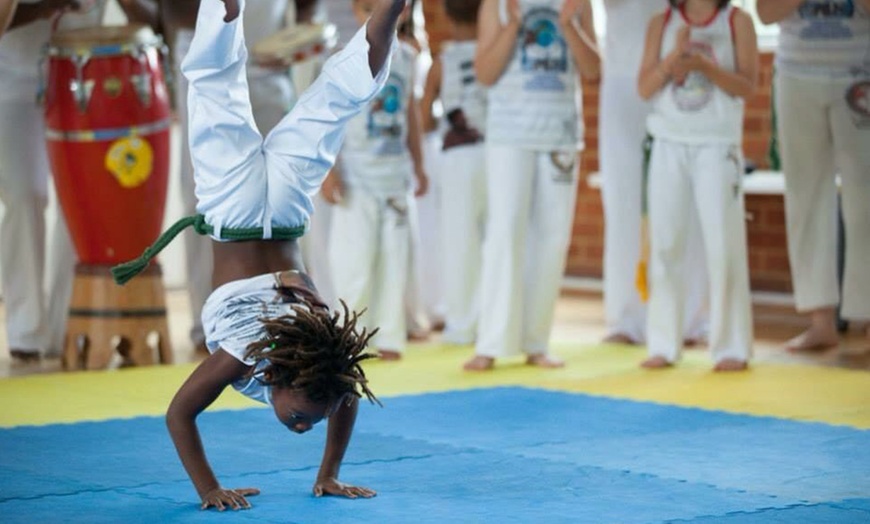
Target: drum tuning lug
x,y
82,91
142,85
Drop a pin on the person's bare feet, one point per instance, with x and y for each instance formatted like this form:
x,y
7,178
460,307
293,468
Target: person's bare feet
x,y
389,355
25,356
418,335
545,361
731,364
657,362
813,339
619,338
694,343
479,363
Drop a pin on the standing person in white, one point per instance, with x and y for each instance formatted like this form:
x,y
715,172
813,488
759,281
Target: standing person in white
x,y
370,240
35,321
622,129
529,53
823,110
462,170
700,63
272,95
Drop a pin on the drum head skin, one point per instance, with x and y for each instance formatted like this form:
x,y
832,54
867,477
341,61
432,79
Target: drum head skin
x,y
135,34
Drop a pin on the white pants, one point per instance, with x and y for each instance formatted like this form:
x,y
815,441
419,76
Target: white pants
x,y
425,253
462,175
369,252
530,211
272,95
708,179
34,320
621,134
821,136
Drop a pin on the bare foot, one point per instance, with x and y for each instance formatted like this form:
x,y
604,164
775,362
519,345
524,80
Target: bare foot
x,y
479,363
813,339
438,326
619,338
731,364
389,355
418,335
25,356
693,343
545,361
656,363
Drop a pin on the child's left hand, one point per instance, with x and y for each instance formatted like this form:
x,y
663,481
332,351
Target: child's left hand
x,y
232,7
332,486
422,182
691,61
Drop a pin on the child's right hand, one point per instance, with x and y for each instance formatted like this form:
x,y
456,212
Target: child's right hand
x,y
332,188
221,498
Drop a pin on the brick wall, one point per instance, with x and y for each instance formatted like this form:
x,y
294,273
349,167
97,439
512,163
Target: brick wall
x,y
768,256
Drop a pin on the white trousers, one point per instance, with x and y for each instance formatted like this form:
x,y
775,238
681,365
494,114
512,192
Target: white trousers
x,y
36,310
530,211
708,179
272,95
462,175
369,252
820,137
622,129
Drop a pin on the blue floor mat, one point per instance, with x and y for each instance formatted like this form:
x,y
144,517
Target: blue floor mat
x,y
492,455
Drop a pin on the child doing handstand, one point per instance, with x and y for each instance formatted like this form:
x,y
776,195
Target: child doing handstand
x,y
269,334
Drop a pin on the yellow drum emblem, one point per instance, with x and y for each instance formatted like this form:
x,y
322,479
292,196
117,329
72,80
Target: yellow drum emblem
x,y
131,160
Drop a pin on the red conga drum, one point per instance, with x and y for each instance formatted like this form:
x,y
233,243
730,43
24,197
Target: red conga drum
x,y
107,116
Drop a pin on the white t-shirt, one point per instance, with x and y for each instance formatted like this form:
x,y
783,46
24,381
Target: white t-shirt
x,y
459,86
535,104
696,111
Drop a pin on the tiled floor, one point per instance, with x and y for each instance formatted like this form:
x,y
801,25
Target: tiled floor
x,y
579,318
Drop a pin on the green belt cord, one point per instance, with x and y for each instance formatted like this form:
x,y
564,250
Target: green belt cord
x,y
122,273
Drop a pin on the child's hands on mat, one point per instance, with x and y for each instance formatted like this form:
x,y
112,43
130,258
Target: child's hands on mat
x,y
332,486
221,498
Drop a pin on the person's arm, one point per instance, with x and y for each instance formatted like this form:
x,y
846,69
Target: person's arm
x,y
415,143
866,5
200,390
496,42
7,10
431,92
28,13
741,82
338,432
655,72
142,11
773,11
579,28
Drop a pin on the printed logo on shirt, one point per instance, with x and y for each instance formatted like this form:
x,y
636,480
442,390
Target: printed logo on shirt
x,y
696,90
825,19
543,50
858,99
386,118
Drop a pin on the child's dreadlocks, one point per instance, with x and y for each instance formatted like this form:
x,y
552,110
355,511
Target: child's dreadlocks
x,y
312,351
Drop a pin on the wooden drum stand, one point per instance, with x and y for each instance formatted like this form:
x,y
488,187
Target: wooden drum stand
x,y
116,326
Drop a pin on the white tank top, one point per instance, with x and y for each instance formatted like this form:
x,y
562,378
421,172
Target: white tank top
x,y
375,153
829,38
697,111
21,49
459,86
535,103
625,38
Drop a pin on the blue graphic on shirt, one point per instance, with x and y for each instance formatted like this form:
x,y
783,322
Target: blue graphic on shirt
x,y
825,19
386,118
543,50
